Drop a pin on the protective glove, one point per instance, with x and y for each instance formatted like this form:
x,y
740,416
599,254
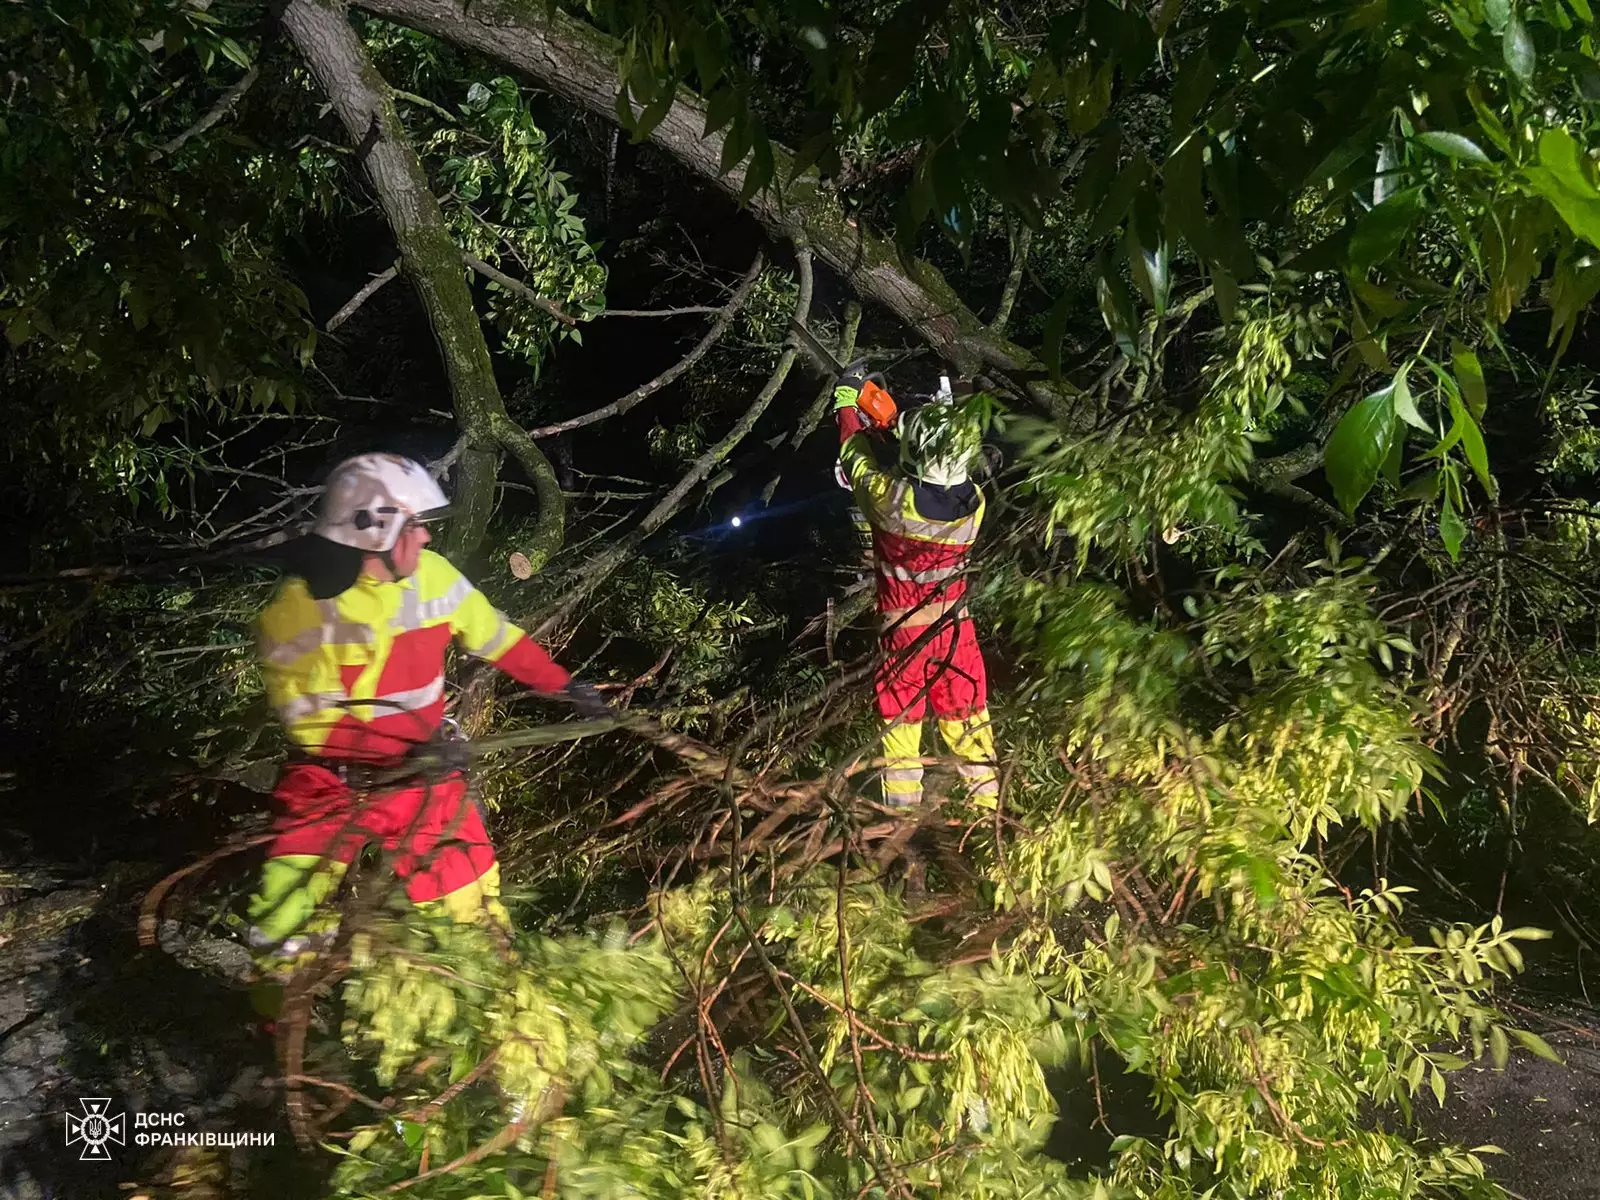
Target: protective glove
x,y
847,387
586,700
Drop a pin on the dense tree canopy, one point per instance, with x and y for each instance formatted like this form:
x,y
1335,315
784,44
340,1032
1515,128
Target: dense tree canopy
x,y
1278,315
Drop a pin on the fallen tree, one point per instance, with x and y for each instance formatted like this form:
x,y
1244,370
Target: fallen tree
x,y
577,62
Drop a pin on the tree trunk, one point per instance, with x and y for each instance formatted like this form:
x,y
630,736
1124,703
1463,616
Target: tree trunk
x,y
578,62
432,261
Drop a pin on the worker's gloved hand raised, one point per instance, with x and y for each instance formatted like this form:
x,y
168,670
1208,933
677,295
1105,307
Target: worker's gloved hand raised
x,y
847,387
587,700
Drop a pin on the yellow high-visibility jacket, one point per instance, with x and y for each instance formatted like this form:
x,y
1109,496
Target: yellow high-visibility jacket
x,y
921,536
361,675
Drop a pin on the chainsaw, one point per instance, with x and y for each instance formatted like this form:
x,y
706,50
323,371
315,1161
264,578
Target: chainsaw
x,y
875,402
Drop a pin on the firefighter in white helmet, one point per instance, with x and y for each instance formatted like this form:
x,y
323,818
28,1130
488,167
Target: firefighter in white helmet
x,y
353,651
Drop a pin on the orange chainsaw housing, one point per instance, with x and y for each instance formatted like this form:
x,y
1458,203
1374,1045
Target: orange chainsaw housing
x,y
877,406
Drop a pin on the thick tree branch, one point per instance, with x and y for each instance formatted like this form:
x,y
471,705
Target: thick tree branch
x,y
713,335
579,63
604,564
433,262
1292,464
218,111
1276,476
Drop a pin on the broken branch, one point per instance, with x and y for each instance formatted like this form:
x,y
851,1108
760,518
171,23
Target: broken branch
x,y
713,335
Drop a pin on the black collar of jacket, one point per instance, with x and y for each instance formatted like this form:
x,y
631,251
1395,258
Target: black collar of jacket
x,y
938,503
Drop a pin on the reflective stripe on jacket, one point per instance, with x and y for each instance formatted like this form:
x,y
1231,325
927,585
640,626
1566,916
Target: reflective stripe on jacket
x,y
921,558
361,675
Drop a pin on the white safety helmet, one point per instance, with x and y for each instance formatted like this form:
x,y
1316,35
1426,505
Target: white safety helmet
x,y
939,441
369,499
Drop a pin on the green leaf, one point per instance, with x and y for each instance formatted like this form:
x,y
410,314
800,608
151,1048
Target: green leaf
x,y
641,79
737,145
920,196
1436,1082
761,168
1472,445
137,313
1487,120
234,52
1396,456
1405,407
1182,201
1098,172
653,115
1149,270
1116,308
1120,197
1537,1045
1226,292
912,1097
1497,13
1571,291
1469,375
1358,446
1452,145
1452,532
721,109
1055,327
1560,178
1380,300
1424,487
19,325
1089,95
1196,77
709,54
808,154
1517,47
1380,231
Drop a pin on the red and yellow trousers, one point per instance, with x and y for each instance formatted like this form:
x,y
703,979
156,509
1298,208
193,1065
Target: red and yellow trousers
x,y
431,833
945,673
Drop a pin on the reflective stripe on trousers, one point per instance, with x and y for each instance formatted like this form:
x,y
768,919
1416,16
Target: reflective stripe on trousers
x,y
969,739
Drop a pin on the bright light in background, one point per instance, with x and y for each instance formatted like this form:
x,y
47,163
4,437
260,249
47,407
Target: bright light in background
x,y
737,522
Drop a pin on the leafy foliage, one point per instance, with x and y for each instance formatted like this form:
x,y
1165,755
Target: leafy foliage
x,y
1264,240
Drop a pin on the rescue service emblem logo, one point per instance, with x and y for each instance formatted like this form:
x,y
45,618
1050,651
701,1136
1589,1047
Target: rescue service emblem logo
x,y
96,1128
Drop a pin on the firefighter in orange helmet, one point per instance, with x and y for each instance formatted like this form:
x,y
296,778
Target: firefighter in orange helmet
x,y
925,517
353,652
